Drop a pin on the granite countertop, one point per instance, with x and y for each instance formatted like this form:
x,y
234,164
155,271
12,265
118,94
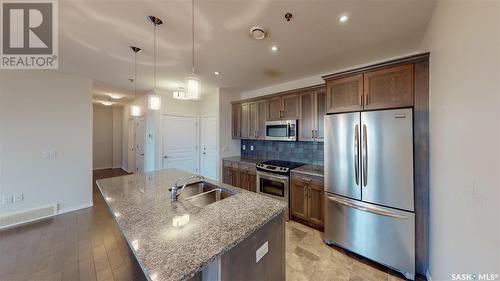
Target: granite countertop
x,y
309,169
141,205
247,160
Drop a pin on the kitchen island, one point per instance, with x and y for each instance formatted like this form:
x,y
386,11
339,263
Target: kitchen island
x,y
240,237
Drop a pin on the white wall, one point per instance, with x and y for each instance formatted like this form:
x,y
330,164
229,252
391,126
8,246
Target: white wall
x,y
41,111
227,145
463,38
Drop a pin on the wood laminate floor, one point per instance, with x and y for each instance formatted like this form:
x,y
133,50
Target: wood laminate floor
x,y
88,245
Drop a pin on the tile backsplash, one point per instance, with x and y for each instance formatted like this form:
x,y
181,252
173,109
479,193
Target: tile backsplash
x,y
298,151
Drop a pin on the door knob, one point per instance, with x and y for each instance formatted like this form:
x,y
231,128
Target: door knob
x,y
165,157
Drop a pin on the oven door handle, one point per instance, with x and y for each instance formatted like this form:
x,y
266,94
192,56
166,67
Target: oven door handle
x,y
271,176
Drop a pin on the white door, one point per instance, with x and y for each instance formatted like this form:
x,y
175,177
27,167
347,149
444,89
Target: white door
x,y
139,144
209,161
180,143
131,146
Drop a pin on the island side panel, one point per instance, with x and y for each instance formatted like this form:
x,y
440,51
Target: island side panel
x,y
240,262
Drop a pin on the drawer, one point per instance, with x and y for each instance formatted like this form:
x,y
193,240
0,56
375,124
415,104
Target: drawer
x,y
308,179
381,234
231,164
250,168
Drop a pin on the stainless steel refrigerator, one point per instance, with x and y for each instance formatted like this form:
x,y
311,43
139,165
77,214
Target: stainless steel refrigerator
x,y
369,206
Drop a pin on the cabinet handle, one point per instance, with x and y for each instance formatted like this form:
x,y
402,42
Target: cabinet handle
x,y
312,132
306,179
366,99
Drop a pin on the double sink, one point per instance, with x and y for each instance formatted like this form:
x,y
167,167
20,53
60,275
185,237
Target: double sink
x,y
203,193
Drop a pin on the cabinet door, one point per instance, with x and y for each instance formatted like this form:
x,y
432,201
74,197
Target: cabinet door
x,y
274,109
234,177
306,116
315,206
252,120
344,94
389,88
252,182
245,121
320,114
236,120
261,119
227,178
243,179
298,203
290,107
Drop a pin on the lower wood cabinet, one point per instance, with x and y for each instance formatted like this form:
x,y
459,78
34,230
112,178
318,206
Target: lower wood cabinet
x,y
307,200
241,175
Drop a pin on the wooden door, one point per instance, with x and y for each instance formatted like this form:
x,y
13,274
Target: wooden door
x,y
208,161
307,116
298,204
245,121
389,87
261,119
252,120
315,206
320,106
344,94
236,121
290,107
274,109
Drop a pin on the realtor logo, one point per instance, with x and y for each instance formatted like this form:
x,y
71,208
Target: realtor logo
x,y
29,34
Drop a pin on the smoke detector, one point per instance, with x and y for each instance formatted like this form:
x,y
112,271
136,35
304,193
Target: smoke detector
x,y
258,32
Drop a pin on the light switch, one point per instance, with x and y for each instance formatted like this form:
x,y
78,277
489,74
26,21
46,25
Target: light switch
x,y
261,252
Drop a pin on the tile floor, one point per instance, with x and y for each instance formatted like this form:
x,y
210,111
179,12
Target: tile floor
x,y
88,245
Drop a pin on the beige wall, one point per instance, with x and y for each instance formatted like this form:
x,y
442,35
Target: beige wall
x,y
44,111
107,136
102,137
463,38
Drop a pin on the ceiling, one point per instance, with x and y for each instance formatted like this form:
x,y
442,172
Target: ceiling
x,y
95,35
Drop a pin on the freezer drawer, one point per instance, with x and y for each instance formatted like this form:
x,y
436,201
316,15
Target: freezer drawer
x,y
384,235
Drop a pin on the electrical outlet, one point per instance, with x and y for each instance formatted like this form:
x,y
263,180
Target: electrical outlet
x,y
19,197
244,147
251,148
7,200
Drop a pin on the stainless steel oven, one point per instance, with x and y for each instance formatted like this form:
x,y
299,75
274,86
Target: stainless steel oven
x,y
275,186
284,130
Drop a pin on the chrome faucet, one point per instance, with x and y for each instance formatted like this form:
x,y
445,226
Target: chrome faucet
x,y
173,191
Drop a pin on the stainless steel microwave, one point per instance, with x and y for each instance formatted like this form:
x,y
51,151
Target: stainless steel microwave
x,y
284,130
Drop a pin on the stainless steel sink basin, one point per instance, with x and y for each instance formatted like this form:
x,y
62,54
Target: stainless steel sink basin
x,y
196,188
203,193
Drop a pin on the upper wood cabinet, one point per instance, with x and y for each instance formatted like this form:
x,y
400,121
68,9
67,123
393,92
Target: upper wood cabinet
x,y
312,111
285,107
344,94
252,120
389,88
236,121
261,119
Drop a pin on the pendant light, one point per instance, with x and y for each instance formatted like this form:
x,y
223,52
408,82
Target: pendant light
x,y
154,101
180,94
135,110
193,83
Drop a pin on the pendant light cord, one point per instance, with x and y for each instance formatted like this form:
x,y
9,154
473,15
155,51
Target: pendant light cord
x,y
135,75
154,56
192,29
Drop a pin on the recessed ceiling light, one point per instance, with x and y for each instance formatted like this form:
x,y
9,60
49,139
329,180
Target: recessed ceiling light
x,y
274,48
258,32
216,72
107,103
343,18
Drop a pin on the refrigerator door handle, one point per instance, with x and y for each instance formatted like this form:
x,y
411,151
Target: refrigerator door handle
x,y
356,154
373,210
365,157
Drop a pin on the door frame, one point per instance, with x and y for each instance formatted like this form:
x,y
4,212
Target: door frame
x,y
162,140
200,142
131,168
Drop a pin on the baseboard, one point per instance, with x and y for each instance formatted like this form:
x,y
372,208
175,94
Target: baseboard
x,y
428,275
75,208
102,168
